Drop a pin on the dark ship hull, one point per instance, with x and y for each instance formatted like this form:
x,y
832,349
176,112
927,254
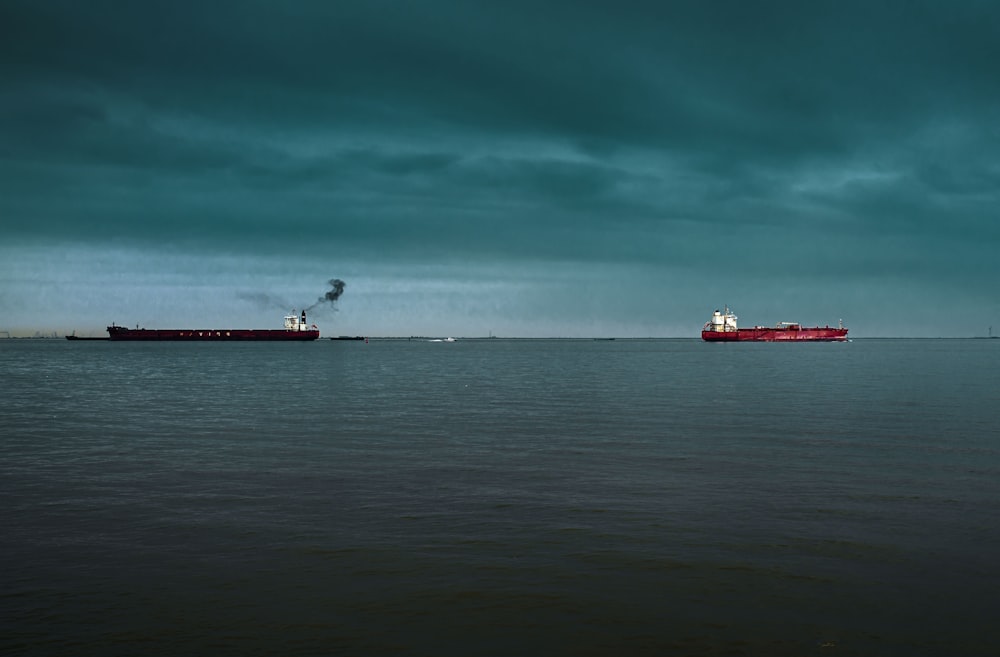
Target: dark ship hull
x,y
211,335
296,329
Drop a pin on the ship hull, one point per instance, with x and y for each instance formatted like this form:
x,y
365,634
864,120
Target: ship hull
x,y
210,335
779,334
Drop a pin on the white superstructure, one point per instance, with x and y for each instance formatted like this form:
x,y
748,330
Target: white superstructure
x,y
295,323
721,322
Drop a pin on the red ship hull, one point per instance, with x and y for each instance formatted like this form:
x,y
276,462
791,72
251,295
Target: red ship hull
x,y
212,335
778,334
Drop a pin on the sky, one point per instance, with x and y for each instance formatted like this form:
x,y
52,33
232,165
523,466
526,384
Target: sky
x,y
557,168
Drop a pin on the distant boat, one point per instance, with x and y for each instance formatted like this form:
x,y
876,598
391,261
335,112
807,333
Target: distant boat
x,y
74,336
722,328
296,328
442,340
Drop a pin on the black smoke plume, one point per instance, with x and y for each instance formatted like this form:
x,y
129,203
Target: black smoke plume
x,y
265,301
331,295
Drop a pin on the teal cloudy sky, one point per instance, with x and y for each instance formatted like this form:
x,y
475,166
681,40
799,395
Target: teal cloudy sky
x,y
556,168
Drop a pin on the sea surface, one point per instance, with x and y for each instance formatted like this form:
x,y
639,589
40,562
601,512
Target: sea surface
x,y
500,497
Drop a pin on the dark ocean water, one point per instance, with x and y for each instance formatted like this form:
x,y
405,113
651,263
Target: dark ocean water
x,y
500,497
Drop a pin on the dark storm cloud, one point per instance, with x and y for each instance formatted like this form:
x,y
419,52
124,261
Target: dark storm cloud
x,y
567,130
624,71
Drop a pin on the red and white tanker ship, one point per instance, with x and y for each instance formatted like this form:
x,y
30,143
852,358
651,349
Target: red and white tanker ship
x,y
722,328
296,328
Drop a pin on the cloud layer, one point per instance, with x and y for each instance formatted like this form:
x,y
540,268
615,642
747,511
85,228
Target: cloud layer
x,y
814,158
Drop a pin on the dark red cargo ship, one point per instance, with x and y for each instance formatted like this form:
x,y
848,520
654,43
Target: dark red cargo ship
x,y
296,328
722,328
